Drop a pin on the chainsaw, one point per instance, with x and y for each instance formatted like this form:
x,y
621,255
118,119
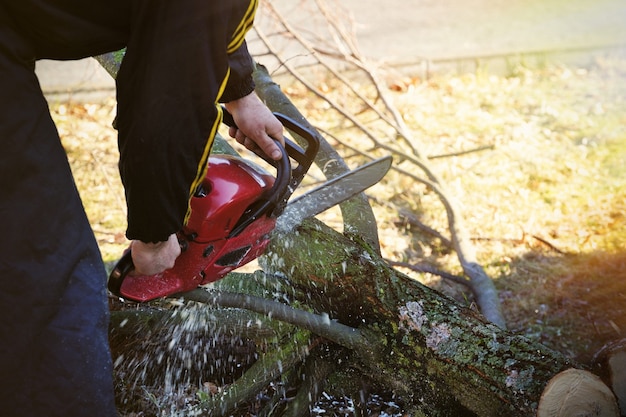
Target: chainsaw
x,y
235,210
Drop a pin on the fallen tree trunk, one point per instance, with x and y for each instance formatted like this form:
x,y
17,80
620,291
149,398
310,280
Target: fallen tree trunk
x,y
365,323
441,357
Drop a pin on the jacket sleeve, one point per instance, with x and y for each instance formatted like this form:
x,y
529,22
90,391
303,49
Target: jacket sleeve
x,y
240,82
173,75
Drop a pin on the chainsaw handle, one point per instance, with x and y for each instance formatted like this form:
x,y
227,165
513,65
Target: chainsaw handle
x,y
287,179
304,157
122,268
270,200
125,266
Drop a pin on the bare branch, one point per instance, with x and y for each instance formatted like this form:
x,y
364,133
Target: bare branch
x,y
321,325
431,270
269,367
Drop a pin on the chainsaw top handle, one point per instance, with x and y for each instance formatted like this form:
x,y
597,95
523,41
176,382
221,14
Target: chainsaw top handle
x,y
288,178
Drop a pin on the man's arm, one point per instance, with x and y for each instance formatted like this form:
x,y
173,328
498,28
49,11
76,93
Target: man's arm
x,y
258,128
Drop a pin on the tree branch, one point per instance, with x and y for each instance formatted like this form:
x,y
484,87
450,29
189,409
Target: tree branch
x,y
269,367
321,325
357,213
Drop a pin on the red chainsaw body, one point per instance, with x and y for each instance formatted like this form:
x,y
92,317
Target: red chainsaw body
x,y
232,215
231,186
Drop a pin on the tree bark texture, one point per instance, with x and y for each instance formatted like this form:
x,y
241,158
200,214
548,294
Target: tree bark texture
x,y
444,358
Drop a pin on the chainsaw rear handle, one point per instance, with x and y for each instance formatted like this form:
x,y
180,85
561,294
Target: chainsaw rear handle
x,y
122,268
287,180
304,157
125,266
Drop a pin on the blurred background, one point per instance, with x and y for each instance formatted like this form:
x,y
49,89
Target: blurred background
x,y
420,36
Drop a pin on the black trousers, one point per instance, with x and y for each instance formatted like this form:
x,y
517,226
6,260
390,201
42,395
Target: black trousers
x,y
54,355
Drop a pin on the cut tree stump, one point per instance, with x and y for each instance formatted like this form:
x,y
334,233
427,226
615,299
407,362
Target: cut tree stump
x,y
577,393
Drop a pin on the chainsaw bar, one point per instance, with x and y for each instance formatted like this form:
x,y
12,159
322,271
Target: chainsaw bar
x,y
332,192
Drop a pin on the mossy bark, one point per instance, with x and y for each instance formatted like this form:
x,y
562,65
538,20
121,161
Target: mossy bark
x,y
441,357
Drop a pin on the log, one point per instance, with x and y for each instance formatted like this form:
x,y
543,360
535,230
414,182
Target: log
x,y
576,392
442,358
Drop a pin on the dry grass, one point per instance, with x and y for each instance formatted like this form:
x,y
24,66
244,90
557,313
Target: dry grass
x,y
91,144
545,202
546,206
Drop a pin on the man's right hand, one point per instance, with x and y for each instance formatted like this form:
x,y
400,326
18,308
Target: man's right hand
x,y
153,258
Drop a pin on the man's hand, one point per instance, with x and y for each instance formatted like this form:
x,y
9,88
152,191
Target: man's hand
x,y
152,258
257,126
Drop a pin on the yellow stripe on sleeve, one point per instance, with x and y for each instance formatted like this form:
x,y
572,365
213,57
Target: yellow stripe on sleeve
x,y
203,165
245,25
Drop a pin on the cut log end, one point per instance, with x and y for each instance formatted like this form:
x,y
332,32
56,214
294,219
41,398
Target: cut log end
x,y
577,393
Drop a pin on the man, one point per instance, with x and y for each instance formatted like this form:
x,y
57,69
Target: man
x,y
183,58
